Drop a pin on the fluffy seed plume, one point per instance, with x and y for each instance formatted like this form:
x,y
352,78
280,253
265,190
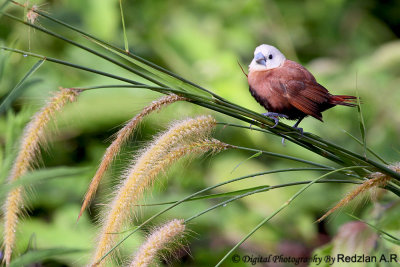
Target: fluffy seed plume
x,y
121,137
376,180
34,134
157,241
188,136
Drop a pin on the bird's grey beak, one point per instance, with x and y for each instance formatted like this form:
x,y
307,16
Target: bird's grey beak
x,y
260,59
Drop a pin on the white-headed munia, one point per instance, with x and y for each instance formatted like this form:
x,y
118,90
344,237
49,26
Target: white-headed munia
x,y
287,89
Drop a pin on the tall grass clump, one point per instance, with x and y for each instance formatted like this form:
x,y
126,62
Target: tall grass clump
x,y
121,137
188,137
184,137
34,135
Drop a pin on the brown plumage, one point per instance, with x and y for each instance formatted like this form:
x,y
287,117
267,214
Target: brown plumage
x,y
285,87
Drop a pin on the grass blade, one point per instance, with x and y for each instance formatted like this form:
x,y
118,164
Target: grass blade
x,y
123,27
287,203
259,153
100,55
362,124
392,237
140,62
5,3
368,149
36,256
37,176
209,196
243,192
20,87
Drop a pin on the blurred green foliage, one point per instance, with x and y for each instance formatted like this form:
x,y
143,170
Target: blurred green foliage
x,y
347,45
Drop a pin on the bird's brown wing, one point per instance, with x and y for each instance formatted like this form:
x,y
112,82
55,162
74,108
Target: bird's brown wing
x,y
301,89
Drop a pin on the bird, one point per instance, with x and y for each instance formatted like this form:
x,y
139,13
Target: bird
x,y
288,90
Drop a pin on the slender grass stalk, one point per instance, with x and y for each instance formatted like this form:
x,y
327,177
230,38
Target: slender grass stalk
x,y
15,92
368,149
123,26
394,238
263,188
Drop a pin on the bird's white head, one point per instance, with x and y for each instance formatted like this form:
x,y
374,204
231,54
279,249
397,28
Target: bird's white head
x,y
266,57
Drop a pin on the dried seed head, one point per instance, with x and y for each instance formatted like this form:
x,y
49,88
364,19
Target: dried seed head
x,y
374,181
188,136
121,137
157,241
29,147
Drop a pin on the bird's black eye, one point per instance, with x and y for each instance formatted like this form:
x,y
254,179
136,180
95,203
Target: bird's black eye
x,y
270,56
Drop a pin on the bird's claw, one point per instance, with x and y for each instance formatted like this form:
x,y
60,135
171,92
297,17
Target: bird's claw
x,y
300,130
296,128
275,116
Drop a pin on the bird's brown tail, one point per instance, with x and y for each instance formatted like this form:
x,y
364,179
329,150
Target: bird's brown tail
x,y
344,100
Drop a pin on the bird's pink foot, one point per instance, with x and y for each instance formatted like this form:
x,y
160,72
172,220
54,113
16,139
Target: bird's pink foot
x,y
298,128
275,116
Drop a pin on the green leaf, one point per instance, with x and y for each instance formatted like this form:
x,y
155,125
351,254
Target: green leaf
x,y
123,26
362,124
5,3
211,196
391,240
259,153
41,175
369,150
20,87
37,256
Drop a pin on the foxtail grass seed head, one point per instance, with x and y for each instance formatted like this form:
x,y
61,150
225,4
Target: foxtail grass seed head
x,y
188,136
34,134
375,181
121,137
157,241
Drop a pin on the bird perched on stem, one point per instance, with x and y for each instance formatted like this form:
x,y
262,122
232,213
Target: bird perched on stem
x,y
287,89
